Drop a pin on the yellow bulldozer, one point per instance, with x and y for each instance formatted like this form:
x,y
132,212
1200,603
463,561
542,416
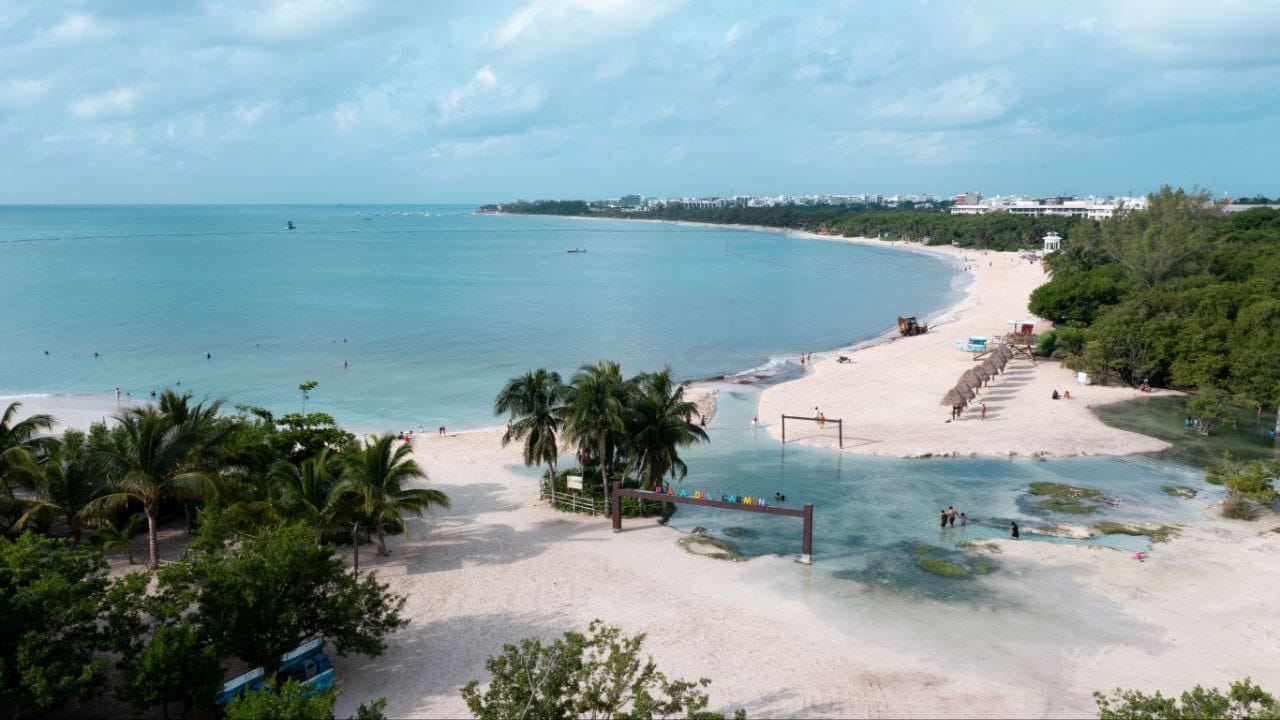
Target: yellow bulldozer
x,y
909,326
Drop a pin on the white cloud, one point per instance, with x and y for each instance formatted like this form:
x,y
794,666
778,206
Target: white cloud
x,y
74,28
552,23
113,103
248,115
18,93
968,99
732,35
485,96
285,20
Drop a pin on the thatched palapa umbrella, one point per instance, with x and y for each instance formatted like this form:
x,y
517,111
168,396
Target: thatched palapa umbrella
x,y
1004,351
954,398
992,366
983,375
965,391
974,381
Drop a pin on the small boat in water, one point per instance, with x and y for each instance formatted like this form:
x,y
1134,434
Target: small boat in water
x,y
576,250
289,225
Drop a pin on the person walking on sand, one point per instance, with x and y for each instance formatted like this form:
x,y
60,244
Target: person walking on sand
x,y
815,412
984,411
951,515
822,420
117,395
1013,529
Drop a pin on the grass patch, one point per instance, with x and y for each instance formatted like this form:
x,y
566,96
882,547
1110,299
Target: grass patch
x,y
1162,533
736,531
1179,491
941,567
922,550
1063,498
699,542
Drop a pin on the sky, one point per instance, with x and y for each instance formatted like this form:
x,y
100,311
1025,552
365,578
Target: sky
x,y
324,101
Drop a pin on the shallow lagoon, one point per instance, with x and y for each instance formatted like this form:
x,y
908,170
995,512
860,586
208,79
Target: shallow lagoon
x,y
874,516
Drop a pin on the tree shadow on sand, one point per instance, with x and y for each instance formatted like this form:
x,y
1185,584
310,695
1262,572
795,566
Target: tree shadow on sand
x,y
427,663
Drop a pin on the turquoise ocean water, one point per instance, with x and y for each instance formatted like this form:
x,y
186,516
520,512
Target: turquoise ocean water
x,y
431,307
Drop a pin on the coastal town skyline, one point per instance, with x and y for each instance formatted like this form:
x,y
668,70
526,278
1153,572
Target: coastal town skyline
x,y
323,101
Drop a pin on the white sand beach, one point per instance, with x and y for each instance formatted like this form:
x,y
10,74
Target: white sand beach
x,y
888,395
500,566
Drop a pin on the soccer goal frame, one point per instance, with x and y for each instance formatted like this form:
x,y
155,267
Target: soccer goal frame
x,y
838,421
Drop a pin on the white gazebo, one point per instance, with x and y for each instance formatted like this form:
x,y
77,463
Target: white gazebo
x,y
1052,242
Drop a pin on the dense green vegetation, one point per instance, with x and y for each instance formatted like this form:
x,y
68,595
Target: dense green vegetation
x,y
261,496
1179,295
232,599
996,231
1248,484
600,674
625,429
1242,700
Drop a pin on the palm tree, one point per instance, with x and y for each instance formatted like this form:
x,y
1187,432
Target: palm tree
x,y
593,412
146,456
20,440
109,537
376,474
64,485
210,443
658,425
532,400
310,491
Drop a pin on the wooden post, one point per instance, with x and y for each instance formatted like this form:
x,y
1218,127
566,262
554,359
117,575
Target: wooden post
x,y
617,507
784,429
840,427
806,556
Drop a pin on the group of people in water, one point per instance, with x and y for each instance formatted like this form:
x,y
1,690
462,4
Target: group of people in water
x,y
949,516
947,519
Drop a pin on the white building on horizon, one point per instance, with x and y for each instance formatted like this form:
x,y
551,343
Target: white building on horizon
x,y
1095,208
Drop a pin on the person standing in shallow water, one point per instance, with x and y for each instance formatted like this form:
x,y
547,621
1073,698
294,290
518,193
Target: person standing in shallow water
x,y
951,515
942,518
1013,529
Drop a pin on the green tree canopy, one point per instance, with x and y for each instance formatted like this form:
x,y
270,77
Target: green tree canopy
x,y
264,594
600,674
49,636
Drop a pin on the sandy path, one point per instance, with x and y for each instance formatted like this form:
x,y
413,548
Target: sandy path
x,y
889,394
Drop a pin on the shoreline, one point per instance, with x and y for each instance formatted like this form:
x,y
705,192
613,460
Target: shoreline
x,y
875,408
77,409
888,403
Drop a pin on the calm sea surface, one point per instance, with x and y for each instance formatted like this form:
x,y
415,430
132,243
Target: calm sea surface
x,y
431,307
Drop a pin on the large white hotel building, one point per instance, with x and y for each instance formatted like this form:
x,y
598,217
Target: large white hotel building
x,y
1091,207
